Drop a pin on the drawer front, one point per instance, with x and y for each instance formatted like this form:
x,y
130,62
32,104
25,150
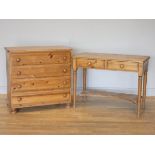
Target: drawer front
x,y
35,71
23,101
122,65
41,58
40,83
90,63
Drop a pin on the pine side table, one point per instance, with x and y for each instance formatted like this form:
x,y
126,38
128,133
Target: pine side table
x,y
116,62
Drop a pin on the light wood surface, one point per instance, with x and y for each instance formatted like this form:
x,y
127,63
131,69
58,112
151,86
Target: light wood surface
x,y
37,49
41,57
38,71
84,79
139,101
92,63
122,65
103,93
106,56
116,62
96,115
40,83
74,86
38,76
27,101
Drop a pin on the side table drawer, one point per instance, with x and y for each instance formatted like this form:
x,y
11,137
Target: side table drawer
x,y
90,63
122,65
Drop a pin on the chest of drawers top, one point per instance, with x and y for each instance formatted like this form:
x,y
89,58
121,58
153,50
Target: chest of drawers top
x,y
39,55
37,49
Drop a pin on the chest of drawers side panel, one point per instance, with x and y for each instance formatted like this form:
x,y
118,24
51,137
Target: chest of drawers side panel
x,y
8,68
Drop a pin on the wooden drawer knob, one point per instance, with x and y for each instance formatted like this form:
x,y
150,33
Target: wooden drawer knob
x,y
18,60
51,55
19,99
121,66
19,86
65,70
89,63
64,57
19,73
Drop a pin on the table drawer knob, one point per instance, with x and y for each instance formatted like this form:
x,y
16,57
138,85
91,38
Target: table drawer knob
x,y
19,99
19,86
89,63
19,73
18,60
121,66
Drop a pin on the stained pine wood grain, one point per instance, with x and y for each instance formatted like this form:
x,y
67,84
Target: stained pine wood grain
x,y
115,62
34,71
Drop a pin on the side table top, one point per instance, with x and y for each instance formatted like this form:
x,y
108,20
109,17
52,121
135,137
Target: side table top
x,y
119,57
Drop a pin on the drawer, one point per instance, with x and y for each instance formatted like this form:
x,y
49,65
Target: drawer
x,y
41,92
122,65
41,58
37,71
40,83
25,101
90,63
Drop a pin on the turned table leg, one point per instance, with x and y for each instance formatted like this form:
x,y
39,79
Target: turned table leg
x,y
144,89
84,83
74,86
84,79
139,101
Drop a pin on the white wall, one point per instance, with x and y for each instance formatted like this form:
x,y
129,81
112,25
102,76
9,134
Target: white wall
x,y
110,36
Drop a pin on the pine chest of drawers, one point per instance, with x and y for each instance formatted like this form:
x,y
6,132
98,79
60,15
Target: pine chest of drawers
x,y
38,76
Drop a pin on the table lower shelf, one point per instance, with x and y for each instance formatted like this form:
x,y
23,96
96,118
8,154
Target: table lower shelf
x,y
130,97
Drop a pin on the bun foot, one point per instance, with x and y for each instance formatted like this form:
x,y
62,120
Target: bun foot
x,y
13,111
68,105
